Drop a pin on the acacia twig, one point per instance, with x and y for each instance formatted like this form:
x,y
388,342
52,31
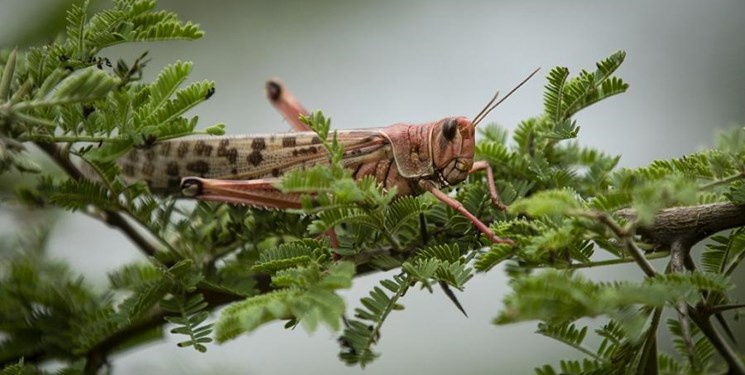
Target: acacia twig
x,y
678,253
112,218
627,240
736,366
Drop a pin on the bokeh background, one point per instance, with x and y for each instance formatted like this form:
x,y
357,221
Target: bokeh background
x,y
374,63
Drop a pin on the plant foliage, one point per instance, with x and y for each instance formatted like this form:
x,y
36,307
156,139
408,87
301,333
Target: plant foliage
x,y
566,213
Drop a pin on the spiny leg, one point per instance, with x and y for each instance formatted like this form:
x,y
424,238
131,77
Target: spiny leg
x,y
286,104
483,165
457,206
291,109
256,193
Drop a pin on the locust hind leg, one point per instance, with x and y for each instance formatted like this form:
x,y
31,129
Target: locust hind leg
x,y
291,109
286,104
256,193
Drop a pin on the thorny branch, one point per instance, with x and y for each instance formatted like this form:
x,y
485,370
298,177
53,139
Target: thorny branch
x,y
627,241
689,224
678,229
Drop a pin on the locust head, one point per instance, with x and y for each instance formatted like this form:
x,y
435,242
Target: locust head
x,y
453,143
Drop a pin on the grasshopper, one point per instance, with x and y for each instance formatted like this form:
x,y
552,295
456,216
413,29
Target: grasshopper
x,y
244,169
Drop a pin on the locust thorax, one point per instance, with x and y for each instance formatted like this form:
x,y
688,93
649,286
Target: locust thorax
x,y
453,143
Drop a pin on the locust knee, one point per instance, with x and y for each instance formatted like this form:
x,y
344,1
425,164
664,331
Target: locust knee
x,y
191,187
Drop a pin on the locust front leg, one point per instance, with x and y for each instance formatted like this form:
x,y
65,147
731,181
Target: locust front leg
x,y
483,165
457,206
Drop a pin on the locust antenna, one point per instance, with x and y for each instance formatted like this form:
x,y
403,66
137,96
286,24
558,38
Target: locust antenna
x,y
491,105
480,116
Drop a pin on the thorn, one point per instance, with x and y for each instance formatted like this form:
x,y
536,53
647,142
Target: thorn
x,y
727,329
449,292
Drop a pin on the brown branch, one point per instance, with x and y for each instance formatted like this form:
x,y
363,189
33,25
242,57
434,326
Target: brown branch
x,y
732,358
678,229
689,224
97,356
678,253
628,242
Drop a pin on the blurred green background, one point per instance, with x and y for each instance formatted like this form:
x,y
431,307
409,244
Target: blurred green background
x,y
374,63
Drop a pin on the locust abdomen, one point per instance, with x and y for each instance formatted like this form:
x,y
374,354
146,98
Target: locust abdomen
x,y
243,157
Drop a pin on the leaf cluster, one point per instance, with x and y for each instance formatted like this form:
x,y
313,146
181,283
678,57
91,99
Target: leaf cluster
x,y
69,99
570,211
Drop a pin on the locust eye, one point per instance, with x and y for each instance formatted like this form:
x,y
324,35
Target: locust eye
x,y
449,129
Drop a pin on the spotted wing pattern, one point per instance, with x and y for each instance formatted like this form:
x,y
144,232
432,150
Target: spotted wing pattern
x,y
241,157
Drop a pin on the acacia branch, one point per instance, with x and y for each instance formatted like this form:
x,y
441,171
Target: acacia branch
x,y
689,224
678,229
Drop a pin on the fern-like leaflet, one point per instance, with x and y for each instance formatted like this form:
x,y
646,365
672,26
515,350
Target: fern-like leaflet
x,y
189,314
362,333
564,97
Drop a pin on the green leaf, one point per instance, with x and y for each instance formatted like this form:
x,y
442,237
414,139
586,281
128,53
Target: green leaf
x,y
702,348
217,129
166,85
88,85
288,255
560,296
111,151
445,252
76,195
14,155
362,333
164,113
548,203
565,332
7,75
736,193
495,255
564,97
168,31
191,314
76,20
553,95
248,315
